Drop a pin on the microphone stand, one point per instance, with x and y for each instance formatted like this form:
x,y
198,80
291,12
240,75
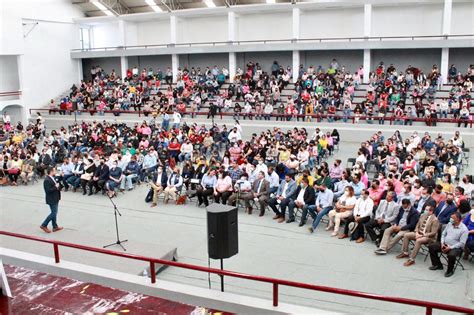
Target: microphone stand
x,y
118,241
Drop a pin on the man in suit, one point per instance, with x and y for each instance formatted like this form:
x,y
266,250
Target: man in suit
x,y
285,192
425,200
406,222
53,195
260,193
44,161
160,181
101,175
385,216
425,233
445,209
304,195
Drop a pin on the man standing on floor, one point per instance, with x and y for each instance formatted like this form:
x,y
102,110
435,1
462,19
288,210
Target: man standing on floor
x,y
53,195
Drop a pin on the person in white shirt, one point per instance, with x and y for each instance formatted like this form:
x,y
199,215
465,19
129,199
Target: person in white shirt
x,y
343,210
361,215
234,135
274,180
186,151
176,120
261,166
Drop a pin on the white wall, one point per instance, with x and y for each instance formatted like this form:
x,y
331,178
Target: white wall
x,y
276,25
344,22
131,34
153,32
202,29
46,68
9,80
407,20
105,35
462,21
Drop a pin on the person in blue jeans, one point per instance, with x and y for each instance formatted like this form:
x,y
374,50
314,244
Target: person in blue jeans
x,y
53,195
322,206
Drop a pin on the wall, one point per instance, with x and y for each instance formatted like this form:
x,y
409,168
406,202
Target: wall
x,y
265,59
9,80
108,64
204,60
462,21
344,22
264,26
105,35
202,29
462,58
420,58
153,32
351,59
155,62
407,20
46,69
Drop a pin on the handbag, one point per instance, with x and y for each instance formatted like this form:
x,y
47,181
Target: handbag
x,y
149,196
14,171
86,176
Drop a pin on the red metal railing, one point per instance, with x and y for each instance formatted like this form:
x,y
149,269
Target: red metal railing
x,y
429,306
374,119
11,93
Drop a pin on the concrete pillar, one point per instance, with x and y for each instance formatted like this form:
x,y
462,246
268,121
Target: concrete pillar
x,y
80,71
366,65
121,29
123,66
175,66
296,65
25,113
232,66
447,14
296,23
444,67
231,27
367,20
173,29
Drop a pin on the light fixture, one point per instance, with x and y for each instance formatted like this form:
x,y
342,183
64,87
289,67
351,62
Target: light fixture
x,y
270,1
153,5
210,3
102,8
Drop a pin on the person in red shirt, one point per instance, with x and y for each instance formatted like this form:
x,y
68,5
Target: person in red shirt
x,y
174,149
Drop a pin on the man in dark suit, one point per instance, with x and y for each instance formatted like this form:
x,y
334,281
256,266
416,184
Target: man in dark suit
x,y
53,195
160,181
304,195
260,193
445,209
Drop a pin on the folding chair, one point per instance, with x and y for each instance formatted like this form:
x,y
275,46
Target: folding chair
x,y
456,263
350,162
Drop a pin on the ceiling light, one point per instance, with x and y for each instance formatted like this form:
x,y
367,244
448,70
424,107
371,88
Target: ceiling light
x,y
270,1
153,5
102,8
209,3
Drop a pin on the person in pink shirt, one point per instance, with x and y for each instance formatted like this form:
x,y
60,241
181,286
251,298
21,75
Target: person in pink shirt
x,y
376,191
223,188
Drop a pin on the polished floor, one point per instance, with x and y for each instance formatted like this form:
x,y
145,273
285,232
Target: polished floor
x,y
41,293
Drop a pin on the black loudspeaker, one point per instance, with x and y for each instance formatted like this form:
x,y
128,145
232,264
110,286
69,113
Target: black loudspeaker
x,y
222,231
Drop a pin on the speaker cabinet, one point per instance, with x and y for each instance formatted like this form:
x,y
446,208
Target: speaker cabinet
x,y
222,231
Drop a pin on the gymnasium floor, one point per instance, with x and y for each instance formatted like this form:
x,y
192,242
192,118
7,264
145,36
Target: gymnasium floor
x,y
265,248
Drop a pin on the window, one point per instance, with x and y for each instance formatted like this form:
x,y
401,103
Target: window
x,y
85,38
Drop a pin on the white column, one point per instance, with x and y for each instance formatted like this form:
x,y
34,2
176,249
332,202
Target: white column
x,y
367,20
123,66
447,14
25,113
173,28
366,65
80,71
296,65
296,23
121,28
232,66
444,64
175,66
231,36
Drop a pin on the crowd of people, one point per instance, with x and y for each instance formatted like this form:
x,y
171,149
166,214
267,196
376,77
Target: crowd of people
x,y
396,189
319,93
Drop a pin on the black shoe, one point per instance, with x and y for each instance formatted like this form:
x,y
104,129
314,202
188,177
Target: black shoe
x,y
439,267
302,223
449,274
84,192
90,193
377,243
290,220
66,189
